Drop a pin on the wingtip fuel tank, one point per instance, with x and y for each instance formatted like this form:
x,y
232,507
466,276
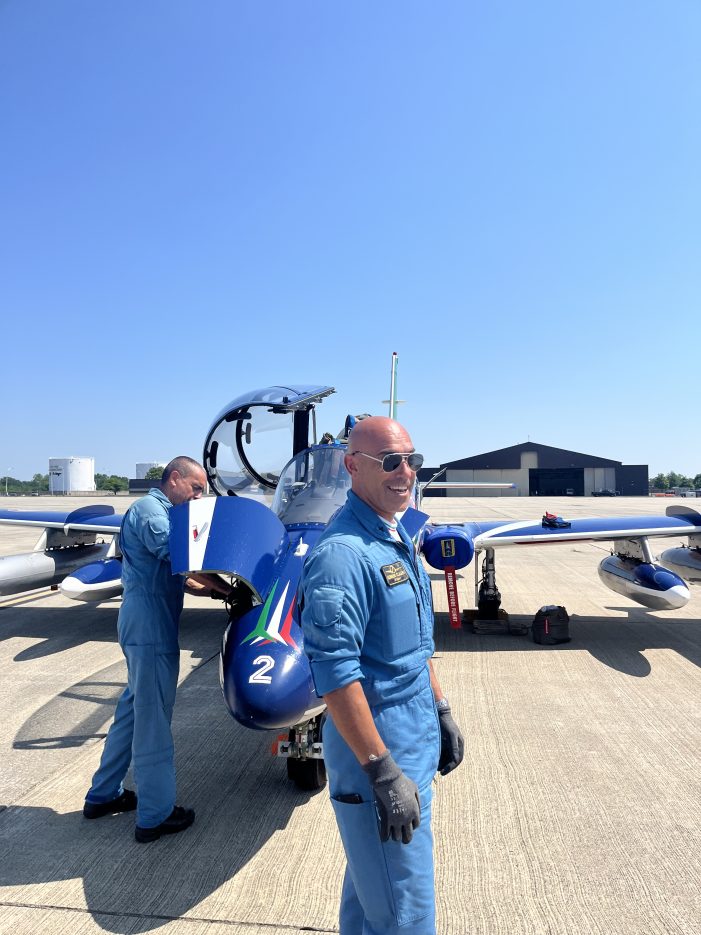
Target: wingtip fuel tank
x,y
644,582
29,570
94,582
683,561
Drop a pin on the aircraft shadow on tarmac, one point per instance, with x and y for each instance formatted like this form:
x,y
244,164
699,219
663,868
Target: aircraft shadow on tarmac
x,y
86,708
224,771
239,791
617,642
59,628
63,628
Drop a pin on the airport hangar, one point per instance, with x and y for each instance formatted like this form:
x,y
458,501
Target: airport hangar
x,y
541,470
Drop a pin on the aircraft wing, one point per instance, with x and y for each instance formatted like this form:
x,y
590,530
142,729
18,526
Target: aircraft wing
x,y
68,551
98,519
630,569
679,521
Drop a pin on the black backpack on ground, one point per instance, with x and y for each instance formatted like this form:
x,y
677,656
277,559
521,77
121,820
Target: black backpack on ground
x,y
551,625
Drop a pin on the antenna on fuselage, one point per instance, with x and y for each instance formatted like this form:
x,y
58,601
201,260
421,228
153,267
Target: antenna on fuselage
x,y
393,401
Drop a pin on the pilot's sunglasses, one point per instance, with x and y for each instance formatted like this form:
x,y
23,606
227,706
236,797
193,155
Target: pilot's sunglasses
x,y
392,461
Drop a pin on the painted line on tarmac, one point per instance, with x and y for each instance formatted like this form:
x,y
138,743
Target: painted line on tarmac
x,y
16,600
263,926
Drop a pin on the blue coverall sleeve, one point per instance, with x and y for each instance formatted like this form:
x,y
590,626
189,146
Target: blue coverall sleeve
x,y
154,532
337,593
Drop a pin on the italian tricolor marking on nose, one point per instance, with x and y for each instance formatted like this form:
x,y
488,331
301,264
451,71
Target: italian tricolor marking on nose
x,y
268,629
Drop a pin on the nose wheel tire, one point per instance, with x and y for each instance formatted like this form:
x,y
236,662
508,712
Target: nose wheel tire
x,y
308,775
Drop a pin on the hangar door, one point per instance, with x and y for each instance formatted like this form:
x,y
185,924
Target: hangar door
x,y
556,482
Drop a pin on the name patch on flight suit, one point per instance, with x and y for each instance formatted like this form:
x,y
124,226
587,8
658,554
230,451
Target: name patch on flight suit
x,y
394,574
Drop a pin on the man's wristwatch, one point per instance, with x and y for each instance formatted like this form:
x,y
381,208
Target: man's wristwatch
x,y
443,704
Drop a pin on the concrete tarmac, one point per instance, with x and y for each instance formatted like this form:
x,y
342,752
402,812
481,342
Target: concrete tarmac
x,y
576,812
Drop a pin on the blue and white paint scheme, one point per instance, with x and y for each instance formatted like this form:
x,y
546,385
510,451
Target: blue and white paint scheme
x,y
650,585
268,510
242,456
75,545
630,570
96,581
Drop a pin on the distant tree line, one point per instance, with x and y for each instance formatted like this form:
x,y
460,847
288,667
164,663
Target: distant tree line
x,y
111,482
672,480
116,483
40,484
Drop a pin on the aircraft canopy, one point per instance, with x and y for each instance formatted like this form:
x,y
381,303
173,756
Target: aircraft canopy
x,y
252,438
312,486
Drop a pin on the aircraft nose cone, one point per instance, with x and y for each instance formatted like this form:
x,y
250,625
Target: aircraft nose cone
x,y
268,685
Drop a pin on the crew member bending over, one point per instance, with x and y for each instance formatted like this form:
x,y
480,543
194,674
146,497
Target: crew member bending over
x,y
148,634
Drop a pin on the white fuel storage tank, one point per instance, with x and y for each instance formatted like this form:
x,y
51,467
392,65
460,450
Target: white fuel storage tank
x,y
71,475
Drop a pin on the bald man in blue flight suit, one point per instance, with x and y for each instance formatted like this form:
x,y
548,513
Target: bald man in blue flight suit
x,y
367,618
148,634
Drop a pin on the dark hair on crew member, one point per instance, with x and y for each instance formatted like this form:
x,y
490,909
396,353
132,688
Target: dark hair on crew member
x,y
183,465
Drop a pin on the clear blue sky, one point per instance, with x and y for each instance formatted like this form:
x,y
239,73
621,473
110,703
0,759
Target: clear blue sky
x,y
198,199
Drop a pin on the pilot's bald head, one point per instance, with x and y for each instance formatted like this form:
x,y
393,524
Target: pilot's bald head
x,y
374,431
387,493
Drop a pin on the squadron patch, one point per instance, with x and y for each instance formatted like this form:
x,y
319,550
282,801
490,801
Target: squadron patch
x,y
394,574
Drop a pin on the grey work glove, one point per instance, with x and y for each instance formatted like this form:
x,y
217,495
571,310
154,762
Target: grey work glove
x,y
396,799
452,743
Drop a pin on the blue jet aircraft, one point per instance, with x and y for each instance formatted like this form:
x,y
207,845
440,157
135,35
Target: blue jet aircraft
x,y
263,520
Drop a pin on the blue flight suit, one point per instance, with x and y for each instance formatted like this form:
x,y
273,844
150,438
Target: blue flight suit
x,y
148,634
367,616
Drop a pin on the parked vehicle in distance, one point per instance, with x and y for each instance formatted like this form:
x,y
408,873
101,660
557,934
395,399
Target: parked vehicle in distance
x,y
604,493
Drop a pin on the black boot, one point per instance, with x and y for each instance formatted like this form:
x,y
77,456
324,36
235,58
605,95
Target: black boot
x,y
178,820
126,802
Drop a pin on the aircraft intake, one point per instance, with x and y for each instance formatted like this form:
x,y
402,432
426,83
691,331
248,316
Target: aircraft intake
x,y
447,547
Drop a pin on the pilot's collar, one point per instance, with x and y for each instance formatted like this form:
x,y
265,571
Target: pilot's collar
x,y
392,525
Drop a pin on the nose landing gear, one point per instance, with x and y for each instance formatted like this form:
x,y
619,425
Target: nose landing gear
x,y
305,755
